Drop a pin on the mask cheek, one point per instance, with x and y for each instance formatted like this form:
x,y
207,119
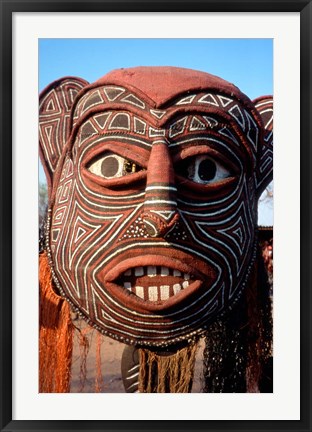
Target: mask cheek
x,y
226,239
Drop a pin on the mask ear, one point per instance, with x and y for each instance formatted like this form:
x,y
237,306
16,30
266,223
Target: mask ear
x,y
264,106
55,102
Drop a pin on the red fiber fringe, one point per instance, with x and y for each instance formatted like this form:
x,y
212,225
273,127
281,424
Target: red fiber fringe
x,y
55,335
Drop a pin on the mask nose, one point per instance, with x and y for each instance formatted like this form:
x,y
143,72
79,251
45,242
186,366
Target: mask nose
x,y
160,206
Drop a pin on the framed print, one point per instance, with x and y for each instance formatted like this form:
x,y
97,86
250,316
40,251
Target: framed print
x,y
156,305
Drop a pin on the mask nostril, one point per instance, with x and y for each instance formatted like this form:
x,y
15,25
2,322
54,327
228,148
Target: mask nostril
x,y
152,228
156,226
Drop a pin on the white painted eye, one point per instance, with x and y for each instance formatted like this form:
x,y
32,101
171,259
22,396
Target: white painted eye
x,y
205,170
112,166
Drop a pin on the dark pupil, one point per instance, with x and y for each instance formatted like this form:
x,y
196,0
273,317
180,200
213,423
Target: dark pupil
x,y
109,166
207,170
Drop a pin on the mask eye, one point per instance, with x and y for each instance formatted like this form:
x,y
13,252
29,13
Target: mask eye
x,y
112,166
203,169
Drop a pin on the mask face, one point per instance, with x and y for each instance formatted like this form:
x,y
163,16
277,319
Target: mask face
x,y
154,207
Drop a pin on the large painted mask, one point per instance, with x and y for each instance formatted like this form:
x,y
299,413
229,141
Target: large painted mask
x,y
154,175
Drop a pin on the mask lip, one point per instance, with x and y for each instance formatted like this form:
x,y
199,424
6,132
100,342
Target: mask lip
x,y
109,278
163,258
156,306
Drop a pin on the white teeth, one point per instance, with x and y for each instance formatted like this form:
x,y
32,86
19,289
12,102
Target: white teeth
x,y
155,293
164,271
139,291
151,271
152,293
164,292
139,271
176,288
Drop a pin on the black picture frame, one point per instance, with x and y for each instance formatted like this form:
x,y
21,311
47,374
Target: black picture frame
x,y
8,7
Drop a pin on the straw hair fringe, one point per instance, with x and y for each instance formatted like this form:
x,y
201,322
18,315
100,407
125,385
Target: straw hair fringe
x,y
167,373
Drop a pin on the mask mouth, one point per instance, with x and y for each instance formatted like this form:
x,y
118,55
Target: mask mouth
x,y
151,283
155,283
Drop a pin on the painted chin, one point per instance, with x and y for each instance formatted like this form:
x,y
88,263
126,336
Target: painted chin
x,y
155,283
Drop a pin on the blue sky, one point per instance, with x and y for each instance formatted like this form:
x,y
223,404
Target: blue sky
x,y
248,63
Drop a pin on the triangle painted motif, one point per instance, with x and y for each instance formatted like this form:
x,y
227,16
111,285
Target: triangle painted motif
x,y
224,100
157,113
166,214
209,99
186,100
196,124
80,232
112,93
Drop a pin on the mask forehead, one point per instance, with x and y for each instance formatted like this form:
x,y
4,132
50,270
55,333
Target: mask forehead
x,y
228,115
